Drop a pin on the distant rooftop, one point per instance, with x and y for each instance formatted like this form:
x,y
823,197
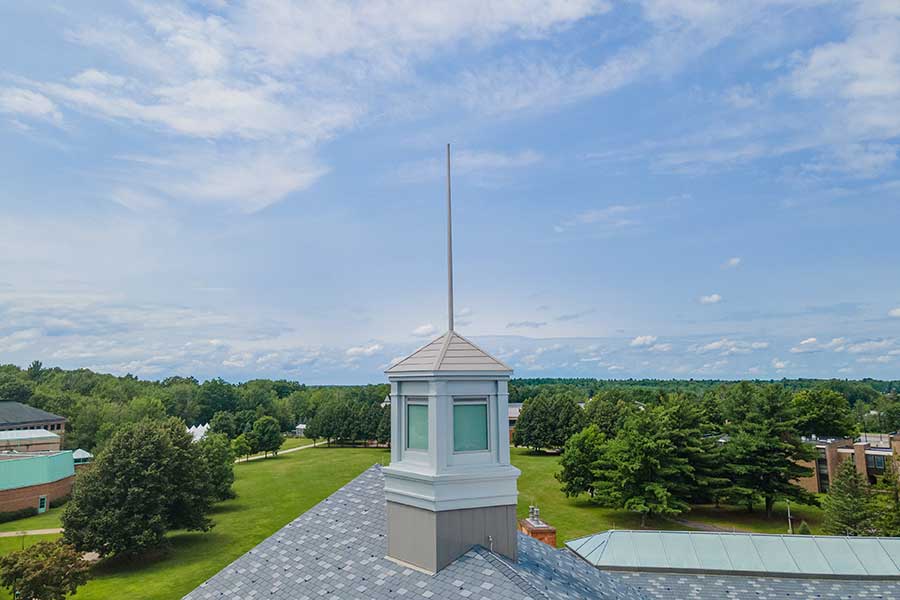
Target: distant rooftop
x,y
450,352
26,434
745,553
16,413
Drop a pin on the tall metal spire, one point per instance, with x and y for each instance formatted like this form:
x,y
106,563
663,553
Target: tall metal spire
x,y
449,247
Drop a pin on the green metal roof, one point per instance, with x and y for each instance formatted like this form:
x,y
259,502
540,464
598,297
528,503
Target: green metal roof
x,y
34,468
762,554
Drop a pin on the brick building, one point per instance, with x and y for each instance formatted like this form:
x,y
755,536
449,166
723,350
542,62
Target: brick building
x,y
18,416
34,479
29,440
870,454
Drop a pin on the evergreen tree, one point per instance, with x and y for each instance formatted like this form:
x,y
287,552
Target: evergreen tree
x,y
579,456
608,410
763,450
887,501
849,507
804,529
639,470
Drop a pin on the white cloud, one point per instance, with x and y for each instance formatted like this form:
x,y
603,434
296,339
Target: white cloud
x,y
733,262
869,346
466,162
661,347
95,78
27,103
643,340
710,299
608,219
726,347
424,330
807,345
357,351
894,312
779,365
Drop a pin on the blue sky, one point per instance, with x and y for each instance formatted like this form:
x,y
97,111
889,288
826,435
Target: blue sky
x,y
653,188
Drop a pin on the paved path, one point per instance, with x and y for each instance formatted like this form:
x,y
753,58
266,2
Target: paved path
x,y
699,526
7,534
288,451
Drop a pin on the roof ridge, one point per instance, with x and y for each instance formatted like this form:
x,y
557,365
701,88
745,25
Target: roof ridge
x,y
419,349
480,349
448,338
528,588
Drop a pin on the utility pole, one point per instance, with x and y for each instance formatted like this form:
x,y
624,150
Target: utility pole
x,y
790,523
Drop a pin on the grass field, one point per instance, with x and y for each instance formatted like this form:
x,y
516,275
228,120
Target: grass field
x,y
576,517
288,443
270,492
47,520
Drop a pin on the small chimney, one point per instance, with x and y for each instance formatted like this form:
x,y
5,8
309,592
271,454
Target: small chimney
x,y
534,527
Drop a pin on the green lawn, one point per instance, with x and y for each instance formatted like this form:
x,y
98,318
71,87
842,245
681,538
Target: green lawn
x,y
47,520
271,493
577,517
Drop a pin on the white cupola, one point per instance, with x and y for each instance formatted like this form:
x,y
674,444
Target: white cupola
x,y
450,484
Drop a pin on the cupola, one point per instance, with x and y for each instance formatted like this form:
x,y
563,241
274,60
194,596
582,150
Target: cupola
x,y
450,484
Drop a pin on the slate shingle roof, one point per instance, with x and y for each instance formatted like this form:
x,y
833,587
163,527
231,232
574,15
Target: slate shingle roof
x,y
337,550
15,413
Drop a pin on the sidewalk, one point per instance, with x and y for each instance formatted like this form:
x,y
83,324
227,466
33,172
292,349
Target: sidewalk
x,y
8,534
288,451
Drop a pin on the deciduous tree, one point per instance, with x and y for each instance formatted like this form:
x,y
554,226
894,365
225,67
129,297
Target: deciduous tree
x,y
44,571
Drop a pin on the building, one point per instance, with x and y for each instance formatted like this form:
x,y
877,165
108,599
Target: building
x,y
18,416
34,479
870,455
82,458
29,440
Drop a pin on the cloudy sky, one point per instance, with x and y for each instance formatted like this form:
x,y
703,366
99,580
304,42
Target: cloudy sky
x,y
666,188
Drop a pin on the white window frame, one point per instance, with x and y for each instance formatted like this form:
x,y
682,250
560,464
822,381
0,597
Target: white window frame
x,y
416,401
472,400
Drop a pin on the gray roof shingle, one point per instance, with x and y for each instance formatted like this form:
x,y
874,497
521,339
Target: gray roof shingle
x,y
15,413
337,550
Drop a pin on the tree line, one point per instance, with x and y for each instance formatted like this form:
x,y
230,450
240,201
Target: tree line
x,y
657,454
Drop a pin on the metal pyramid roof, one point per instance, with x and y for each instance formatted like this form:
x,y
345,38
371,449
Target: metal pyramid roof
x,y
450,352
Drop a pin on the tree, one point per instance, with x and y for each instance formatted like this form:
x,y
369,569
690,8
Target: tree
x,y
548,420
216,395
608,410
804,529
763,451
824,413
146,481
637,472
240,446
849,507
35,370
383,436
579,456
217,463
225,423
268,435
44,571
887,501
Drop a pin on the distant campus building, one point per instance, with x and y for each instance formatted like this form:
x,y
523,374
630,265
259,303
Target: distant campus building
x,y
870,455
34,470
18,416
